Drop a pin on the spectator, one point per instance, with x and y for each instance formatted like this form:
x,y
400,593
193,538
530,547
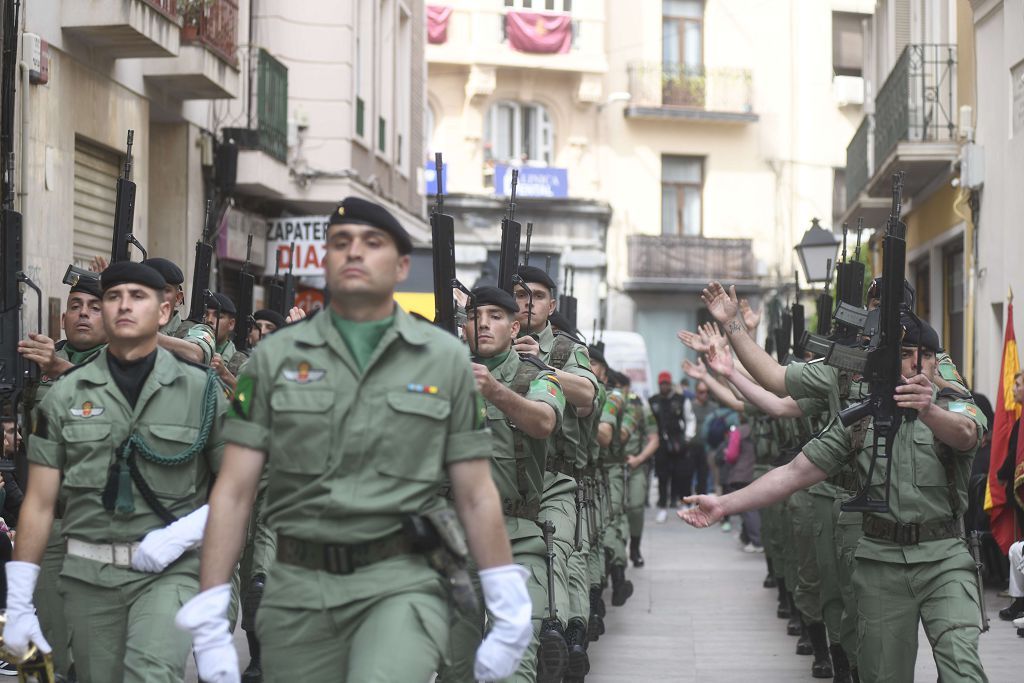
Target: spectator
x,y
703,405
739,459
685,390
676,427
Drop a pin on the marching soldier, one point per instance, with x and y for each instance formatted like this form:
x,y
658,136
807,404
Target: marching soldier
x,y
640,448
524,404
221,316
133,438
266,322
364,409
82,323
191,340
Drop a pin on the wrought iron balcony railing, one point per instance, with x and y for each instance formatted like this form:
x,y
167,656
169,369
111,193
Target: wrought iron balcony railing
x,y
858,165
661,84
917,102
684,257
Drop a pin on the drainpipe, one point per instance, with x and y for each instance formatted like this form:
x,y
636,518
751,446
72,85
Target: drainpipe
x,y
25,120
968,198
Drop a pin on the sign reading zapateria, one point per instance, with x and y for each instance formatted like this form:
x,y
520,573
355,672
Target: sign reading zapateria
x,y
307,233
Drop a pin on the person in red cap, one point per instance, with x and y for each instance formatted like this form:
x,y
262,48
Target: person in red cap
x,y
676,426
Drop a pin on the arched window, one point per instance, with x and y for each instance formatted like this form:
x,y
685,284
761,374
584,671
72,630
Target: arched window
x,y
519,132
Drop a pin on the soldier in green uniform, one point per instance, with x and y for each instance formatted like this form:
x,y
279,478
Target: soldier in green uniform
x,y
566,460
641,447
362,410
82,322
524,404
189,339
133,438
221,316
265,321
913,565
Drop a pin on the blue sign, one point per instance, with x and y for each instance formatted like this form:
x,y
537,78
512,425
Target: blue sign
x,y
533,181
430,175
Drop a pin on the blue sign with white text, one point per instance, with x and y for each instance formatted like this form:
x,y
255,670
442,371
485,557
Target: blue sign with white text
x,y
533,181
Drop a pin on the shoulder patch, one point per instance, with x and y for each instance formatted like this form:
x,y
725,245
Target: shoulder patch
x,y
480,412
949,373
241,404
964,407
582,358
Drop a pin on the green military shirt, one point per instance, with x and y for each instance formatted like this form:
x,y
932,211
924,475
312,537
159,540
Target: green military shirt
x,y
614,413
521,483
639,423
232,358
199,334
920,489
83,420
576,362
588,430
65,351
351,454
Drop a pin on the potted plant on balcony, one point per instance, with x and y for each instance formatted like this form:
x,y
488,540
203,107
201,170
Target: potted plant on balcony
x,y
192,13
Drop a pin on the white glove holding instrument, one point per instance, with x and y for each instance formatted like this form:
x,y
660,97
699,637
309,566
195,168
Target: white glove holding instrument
x,y
162,546
510,612
205,617
22,626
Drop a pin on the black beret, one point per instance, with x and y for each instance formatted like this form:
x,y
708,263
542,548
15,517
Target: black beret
x,y
88,285
356,210
917,332
597,354
270,316
168,270
535,274
494,296
222,302
124,272
558,319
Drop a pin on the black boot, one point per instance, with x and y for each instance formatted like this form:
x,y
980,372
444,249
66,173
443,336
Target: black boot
x,y
840,664
793,625
552,652
821,667
803,645
621,587
1014,611
634,552
596,626
254,672
579,662
596,601
783,611
769,580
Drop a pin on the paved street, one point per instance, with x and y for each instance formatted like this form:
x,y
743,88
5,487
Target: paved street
x,y
699,613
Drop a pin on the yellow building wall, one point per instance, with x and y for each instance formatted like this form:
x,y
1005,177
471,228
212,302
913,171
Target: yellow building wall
x,y
932,218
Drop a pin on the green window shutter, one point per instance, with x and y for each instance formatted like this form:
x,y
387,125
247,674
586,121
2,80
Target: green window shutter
x,y
360,117
381,133
272,106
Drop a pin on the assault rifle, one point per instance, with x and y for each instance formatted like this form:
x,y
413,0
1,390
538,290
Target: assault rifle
x,y
881,364
281,296
567,302
508,261
796,312
244,320
124,211
442,233
818,343
201,271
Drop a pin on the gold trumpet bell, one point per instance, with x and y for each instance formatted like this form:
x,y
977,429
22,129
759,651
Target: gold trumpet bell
x,y
33,667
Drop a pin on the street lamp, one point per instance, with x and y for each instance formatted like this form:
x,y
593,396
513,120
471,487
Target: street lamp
x,y
816,248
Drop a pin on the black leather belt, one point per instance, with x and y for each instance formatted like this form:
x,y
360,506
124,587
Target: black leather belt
x,y
909,534
341,559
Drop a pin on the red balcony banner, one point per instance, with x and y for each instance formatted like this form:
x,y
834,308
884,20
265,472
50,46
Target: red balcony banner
x,y
539,33
437,24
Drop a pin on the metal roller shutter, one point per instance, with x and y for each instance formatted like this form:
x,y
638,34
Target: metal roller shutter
x,y
96,172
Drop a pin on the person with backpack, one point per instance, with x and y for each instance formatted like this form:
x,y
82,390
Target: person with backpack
x,y
677,426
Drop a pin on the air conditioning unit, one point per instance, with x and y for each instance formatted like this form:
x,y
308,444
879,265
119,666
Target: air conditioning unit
x,y
972,166
848,91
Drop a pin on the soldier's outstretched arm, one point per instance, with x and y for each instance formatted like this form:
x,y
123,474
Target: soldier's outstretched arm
x,y
230,507
182,348
798,474
36,514
724,307
775,406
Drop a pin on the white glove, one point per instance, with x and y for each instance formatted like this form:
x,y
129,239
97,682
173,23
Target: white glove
x,y
22,626
510,610
162,546
205,617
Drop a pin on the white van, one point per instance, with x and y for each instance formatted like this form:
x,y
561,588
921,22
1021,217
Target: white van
x,y
626,352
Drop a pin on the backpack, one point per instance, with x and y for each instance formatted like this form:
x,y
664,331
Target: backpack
x,y
717,429
732,448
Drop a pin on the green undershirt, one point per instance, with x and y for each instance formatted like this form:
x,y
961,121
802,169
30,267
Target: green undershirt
x,y
495,361
361,338
76,357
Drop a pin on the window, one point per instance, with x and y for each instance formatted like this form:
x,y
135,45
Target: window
x,y
682,34
519,132
953,265
403,90
386,75
363,69
847,44
682,186
272,106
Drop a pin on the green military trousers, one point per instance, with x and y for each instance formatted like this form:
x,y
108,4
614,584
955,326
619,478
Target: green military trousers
x,y
848,532
807,591
595,555
468,629
124,633
559,507
831,594
386,636
771,536
614,537
49,601
637,496
894,598
788,544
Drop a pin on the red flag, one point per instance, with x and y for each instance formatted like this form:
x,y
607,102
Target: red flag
x,y
539,32
1007,412
437,24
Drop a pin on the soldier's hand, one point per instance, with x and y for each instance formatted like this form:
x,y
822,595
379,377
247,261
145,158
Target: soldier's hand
x,y
294,315
708,511
22,628
485,382
41,350
508,605
99,264
204,617
721,304
527,345
633,461
916,394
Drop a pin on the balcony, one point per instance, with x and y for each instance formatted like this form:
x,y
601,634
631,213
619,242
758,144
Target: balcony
x,y
207,63
263,150
687,263
676,91
124,29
